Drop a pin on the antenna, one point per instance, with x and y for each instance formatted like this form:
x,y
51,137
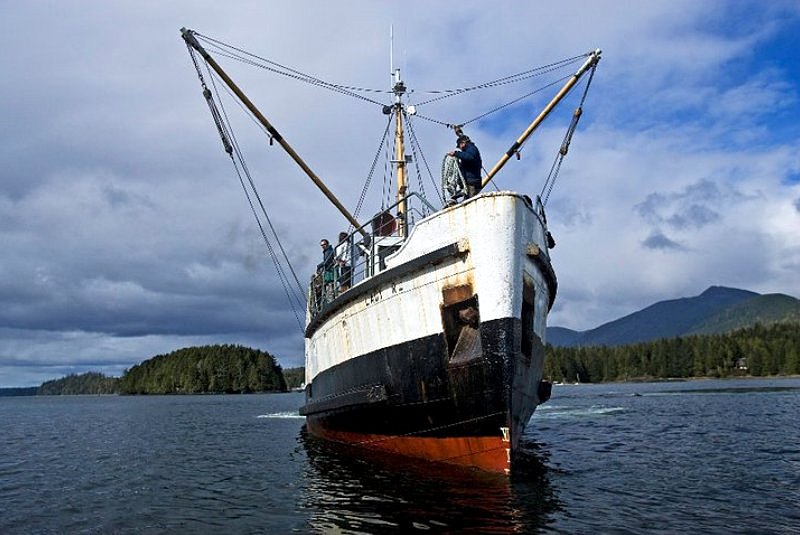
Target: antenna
x,y
391,49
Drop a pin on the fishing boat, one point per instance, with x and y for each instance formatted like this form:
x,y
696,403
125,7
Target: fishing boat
x,y
426,337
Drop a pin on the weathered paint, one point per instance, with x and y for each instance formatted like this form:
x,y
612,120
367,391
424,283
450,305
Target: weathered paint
x,y
393,336
498,228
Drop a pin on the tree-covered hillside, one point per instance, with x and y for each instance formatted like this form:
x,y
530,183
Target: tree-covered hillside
x,y
85,383
215,369
717,310
295,377
763,309
757,351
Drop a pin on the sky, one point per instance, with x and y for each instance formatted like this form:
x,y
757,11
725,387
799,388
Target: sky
x,y
125,233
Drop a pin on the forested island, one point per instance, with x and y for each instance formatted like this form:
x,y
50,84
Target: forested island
x,y
85,383
755,351
217,369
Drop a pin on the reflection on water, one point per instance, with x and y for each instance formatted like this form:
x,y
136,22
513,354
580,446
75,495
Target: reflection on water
x,y
358,491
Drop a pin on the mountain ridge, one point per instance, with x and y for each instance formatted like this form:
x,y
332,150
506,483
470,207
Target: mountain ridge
x,y
718,309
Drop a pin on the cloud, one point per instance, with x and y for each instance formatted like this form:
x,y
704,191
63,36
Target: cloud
x,y
658,240
126,234
695,207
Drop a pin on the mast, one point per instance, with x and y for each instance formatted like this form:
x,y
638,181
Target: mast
x,y
400,155
592,60
191,40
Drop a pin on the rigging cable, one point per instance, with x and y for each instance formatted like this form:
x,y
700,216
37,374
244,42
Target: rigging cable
x,y
514,78
525,75
415,143
300,295
226,134
388,190
258,197
503,106
372,169
555,169
266,64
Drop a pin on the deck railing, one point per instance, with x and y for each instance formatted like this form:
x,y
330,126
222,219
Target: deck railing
x,y
363,253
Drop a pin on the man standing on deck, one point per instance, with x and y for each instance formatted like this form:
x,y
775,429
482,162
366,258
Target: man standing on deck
x,y
470,160
325,270
343,253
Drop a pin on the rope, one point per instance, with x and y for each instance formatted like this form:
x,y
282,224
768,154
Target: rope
x,y
495,110
525,75
237,158
261,204
372,169
453,185
274,67
415,143
555,169
554,82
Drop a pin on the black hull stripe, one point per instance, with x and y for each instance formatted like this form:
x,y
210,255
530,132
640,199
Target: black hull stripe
x,y
424,393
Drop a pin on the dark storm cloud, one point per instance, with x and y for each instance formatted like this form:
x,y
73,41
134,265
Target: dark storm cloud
x,y
657,240
696,206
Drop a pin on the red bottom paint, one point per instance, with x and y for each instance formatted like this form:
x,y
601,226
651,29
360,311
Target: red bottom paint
x,y
486,453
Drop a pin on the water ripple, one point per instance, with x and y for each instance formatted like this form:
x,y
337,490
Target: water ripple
x,y
708,457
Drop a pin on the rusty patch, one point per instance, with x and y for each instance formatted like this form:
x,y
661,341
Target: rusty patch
x,y
527,289
456,294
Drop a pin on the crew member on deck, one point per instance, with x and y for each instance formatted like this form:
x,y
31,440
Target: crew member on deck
x,y
325,269
343,254
469,158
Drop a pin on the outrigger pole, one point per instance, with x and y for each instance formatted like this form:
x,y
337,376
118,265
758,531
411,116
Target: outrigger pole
x,y
191,40
592,60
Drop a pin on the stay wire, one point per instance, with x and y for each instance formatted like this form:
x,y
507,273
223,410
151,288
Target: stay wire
x,y
555,169
306,79
289,72
220,45
258,197
420,183
523,97
226,134
296,300
415,142
368,181
273,256
495,110
514,78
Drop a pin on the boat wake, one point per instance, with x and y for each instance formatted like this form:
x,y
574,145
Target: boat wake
x,y
285,415
558,412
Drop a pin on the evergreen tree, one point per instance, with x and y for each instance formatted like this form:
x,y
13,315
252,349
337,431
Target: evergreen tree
x,y
208,369
763,350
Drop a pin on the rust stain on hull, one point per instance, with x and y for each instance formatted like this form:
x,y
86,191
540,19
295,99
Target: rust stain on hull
x,y
490,453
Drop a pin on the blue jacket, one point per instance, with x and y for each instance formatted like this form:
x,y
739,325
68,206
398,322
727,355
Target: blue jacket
x,y
470,159
327,259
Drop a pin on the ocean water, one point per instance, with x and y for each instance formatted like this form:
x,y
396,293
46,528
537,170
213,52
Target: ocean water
x,y
685,457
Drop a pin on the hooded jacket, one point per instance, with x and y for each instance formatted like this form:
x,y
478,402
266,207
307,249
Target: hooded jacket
x,y
471,165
